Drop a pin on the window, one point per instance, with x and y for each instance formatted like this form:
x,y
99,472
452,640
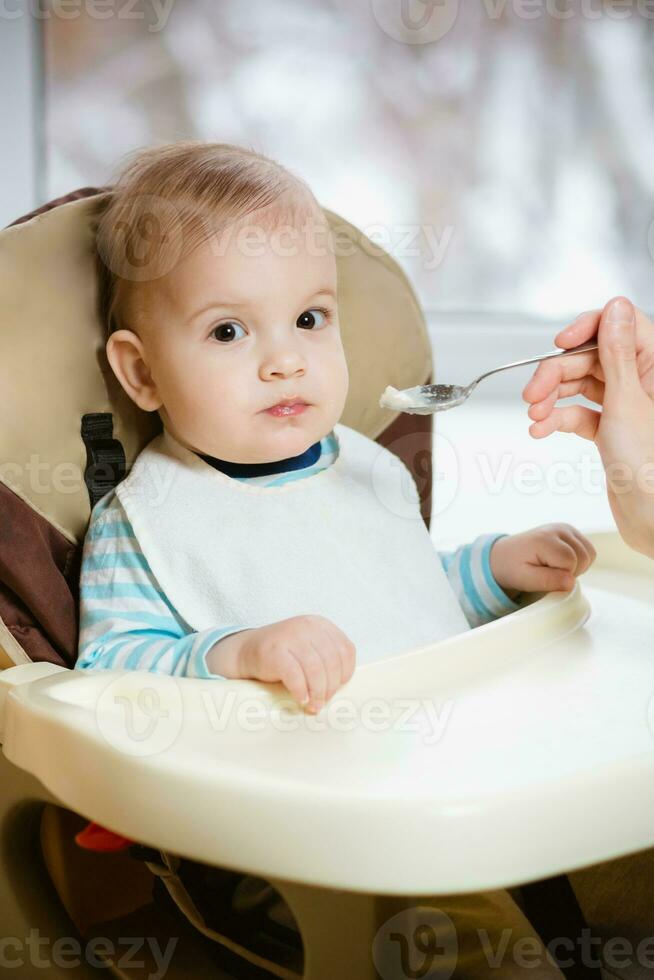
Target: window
x,y
506,163
21,115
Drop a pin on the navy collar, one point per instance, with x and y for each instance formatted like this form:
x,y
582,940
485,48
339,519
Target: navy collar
x,y
307,458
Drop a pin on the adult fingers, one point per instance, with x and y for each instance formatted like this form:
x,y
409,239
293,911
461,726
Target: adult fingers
x,y
590,388
573,418
587,325
551,374
617,348
580,330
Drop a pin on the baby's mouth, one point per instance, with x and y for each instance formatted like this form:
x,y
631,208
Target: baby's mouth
x,y
293,406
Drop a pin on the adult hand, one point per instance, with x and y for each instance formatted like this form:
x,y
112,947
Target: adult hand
x,y
620,378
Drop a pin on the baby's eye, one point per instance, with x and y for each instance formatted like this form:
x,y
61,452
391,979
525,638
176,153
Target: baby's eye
x,y
307,319
226,330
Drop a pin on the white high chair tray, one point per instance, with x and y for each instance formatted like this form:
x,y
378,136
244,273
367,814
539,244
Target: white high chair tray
x,y
539,759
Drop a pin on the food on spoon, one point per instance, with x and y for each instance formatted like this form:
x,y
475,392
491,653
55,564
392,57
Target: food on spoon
x,y
405,401
396,399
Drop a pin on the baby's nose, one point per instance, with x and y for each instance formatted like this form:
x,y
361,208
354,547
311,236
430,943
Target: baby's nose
x,y
283,363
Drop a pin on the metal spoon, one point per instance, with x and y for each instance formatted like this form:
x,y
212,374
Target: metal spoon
x,y
426,399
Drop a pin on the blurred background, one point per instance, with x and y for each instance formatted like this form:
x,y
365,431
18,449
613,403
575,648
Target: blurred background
x,y
501,151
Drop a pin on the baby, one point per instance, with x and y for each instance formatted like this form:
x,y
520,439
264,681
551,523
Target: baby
x,y
256,536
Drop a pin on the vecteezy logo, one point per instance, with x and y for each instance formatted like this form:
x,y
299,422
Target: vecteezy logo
x,y
137,717
415,21
419,943
394,484
148,237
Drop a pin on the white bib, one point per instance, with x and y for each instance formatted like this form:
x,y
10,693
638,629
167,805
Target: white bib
x,y
348,543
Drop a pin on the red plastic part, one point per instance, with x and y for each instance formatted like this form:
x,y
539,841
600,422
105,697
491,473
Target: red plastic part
x,y
97,838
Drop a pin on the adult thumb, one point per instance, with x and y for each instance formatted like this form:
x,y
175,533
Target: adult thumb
x,y
617,346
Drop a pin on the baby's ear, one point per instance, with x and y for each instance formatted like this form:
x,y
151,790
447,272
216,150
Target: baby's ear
x,y
127,358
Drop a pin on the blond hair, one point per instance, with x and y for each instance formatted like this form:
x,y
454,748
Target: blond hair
x,y
170,199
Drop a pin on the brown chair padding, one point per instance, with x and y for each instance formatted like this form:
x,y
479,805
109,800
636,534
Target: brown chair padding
x,y
39,583
73,196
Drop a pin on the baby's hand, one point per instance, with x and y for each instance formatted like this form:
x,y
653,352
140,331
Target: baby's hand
x,y
544,559
310,655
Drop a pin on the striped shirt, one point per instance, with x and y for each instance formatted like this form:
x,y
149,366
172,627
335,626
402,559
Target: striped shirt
x,y
127,622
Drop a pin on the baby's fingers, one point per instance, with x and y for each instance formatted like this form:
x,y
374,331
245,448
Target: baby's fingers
x,y
291,674
558,552
337,653
315,673
586,553
554,564
346,653
330,654
544,578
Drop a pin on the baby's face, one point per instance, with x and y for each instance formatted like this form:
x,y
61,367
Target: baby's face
x,y
230,335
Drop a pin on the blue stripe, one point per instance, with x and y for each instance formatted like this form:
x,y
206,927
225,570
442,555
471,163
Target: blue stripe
x,y
114,529
106,660
328,452
471,592
200,663
446,557
498,592
112,590
134,656
183,650
290,477
116,559
89,617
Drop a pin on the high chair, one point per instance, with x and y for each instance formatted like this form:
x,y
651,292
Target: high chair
x,y
546,762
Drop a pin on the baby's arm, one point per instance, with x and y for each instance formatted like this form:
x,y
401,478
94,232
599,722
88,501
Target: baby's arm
x,y
469,572
126,622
